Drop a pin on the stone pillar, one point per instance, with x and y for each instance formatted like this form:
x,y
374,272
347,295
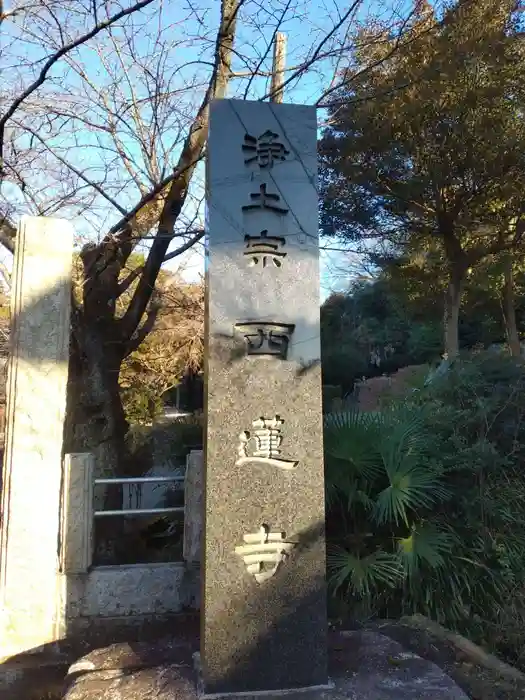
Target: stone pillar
x,y
193,507
264,599
36,402
76,538
193,517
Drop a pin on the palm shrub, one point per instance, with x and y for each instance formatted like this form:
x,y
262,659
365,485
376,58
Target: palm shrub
x,y
381,484
426,499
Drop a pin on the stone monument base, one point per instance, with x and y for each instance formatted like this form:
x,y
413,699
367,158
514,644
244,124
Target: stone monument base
x,y
313,692
364,665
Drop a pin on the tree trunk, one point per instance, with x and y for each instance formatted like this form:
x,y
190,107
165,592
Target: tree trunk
x,y
96,423
507,305
95,417
451,315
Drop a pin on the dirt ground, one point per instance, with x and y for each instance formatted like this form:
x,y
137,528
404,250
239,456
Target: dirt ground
x,y
478,682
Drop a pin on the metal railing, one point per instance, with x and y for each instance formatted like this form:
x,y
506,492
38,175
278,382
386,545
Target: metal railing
x,y
138,480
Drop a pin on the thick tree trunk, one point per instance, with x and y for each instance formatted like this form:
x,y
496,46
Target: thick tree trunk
x,y
451,315
508,308
95,422
457,267
95,417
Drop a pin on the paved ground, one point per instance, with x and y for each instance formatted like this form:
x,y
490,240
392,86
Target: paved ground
x,y
364,665
479,681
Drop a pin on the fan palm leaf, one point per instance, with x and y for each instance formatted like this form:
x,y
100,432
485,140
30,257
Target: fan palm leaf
x,y
351,457
413,482
362,575
424,546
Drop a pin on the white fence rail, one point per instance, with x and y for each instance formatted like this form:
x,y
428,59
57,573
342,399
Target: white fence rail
x,y
138,480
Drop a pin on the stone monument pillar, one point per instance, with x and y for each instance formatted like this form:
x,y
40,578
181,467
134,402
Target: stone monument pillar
x,y
263,596
36,401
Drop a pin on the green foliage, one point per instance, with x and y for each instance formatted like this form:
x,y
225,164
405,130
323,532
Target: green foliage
x,y
435,129
141,405
343,364
396,315
423,342
172,347
331,395
426,500
374,320
170,440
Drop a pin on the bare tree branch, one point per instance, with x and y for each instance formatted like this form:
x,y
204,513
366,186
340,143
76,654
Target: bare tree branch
x,y
268,48
315,56
143,331
334,87
183,248
191,153
128,281
6,275
124,223
73,169
56,57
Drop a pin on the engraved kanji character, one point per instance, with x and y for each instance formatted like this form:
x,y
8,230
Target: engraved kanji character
x,y
265,149
265,338
261,548
266,441
265,200
264,247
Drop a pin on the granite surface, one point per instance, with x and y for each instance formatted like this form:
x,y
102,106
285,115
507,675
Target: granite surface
x,y
126,591
36,403
364,665
367,665
263,634
76,553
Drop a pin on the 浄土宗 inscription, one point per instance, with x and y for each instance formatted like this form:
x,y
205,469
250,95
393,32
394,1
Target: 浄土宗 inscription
x,y
263,596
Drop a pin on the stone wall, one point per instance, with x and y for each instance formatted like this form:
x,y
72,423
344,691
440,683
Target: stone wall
x,y
135,591
108,597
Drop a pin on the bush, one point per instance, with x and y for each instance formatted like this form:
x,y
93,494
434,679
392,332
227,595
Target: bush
x,y
426,500
166,441
342,365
